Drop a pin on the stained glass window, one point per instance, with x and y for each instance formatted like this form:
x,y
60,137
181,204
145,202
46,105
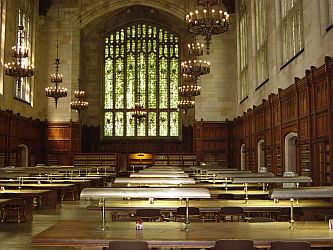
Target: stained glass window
x,y
243,44
141,61
23,88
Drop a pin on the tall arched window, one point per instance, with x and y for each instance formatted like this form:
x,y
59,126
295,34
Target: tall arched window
x,y
141,60
23,88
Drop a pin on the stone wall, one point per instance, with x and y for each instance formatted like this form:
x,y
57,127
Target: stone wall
x,y
317,45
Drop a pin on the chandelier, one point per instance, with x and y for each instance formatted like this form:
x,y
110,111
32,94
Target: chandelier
x,y
185,104
81,103
19,67
195,67
189,87
208,19
195,49
56,91
139,112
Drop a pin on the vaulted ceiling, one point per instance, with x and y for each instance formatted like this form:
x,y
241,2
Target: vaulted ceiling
x,y
44,6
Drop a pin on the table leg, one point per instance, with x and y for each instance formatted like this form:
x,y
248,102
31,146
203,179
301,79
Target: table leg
x,y
291,214
187,217
103,216
246,193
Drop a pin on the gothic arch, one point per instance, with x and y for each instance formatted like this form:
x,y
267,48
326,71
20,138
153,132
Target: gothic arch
x,y
290,152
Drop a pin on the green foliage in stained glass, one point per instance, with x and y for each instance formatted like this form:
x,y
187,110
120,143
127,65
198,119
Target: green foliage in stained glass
x,y
174,79
119,124
174,123
152,80
131,67
164,124
119,84
130,90
163,93
130,124
108,124
152,128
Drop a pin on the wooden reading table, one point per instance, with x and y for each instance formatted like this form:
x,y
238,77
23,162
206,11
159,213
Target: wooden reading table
x,y
86,235
148,193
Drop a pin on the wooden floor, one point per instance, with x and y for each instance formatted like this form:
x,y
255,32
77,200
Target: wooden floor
x,y
17,236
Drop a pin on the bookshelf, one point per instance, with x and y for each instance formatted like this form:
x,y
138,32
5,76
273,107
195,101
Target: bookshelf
x,y
2,159
324,164
305,159
278,160
268,158
175,159
95,160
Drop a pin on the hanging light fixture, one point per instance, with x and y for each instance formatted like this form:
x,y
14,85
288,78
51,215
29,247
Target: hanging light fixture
x,y
185,104
195,67
56,91
79,104
208,19
189,87
192,69
139,113
20,67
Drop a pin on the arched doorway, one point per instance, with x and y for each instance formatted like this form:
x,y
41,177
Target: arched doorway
x,y
242,157
261,156
23,156
290,152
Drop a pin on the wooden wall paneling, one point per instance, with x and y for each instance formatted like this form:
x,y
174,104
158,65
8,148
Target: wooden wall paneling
x,y
198,140
16,130
90,139
297,107
61,138
211,139
307,142
318,108
253,142
237,140
271,167
267,136
329,147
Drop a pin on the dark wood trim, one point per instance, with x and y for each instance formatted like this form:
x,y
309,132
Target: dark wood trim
x,y
243,99
262,84
292,59
329,28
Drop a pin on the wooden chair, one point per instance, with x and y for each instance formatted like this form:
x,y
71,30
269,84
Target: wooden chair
x,y
235,213
260,219
148,214
128,245
284,214
234,245
226,196
193,212
15,211
290,245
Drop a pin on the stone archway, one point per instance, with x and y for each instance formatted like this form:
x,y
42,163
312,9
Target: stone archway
x,y
242,156
290,152
261,156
